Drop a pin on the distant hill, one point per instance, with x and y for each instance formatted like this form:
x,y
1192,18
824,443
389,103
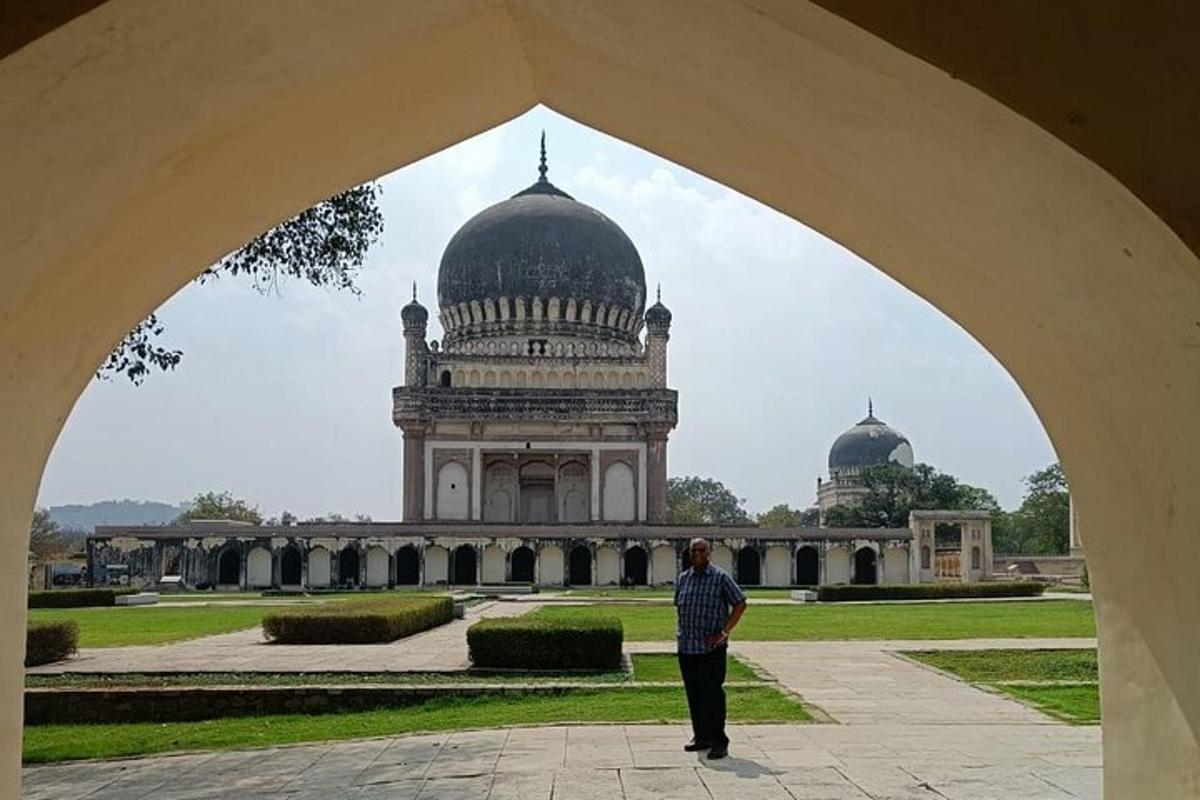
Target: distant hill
x,y
75,517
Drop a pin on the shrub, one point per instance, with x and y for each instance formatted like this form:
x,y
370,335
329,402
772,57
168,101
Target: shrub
x,y
585,643
50,641
76,598
358,621
930,591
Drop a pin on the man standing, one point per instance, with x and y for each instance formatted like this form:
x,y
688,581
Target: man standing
x,y
709,604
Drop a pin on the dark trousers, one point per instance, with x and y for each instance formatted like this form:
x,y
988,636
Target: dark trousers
x,y
703,676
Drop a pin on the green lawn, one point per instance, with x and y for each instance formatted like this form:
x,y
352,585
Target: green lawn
x,y
660,593
647,667
665,667
1062,683
991,666
45,743
1075,703
121,626
965,620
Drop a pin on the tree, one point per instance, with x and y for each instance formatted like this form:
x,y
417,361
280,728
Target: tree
x,y
782,516
220,505
324,245
892,492
1042,525
46,541
703,501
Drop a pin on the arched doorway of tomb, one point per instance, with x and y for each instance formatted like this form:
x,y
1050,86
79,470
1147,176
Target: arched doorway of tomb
x,y
290,567
522,561
619,498
348,567
749,567
229,568
445,379
579,570
635,566
408,566
537,492
808,566
574,489
499,492
462,565
452,498
865,566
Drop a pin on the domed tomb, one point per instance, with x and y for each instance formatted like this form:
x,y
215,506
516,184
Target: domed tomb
x,y
541,263
870,443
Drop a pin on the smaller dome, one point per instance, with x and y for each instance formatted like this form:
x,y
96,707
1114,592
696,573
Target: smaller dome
x,y
414,313
658,315
870,443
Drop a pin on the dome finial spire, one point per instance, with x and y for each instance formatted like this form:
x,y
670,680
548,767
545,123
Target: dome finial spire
x,y
870,407
658,293
542,169
414,291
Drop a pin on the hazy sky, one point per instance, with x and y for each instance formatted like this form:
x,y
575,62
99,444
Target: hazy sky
x,y
779,336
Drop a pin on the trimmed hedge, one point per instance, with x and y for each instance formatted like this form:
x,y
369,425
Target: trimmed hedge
x,y
50,641
76,598
930,591
358,621
585,643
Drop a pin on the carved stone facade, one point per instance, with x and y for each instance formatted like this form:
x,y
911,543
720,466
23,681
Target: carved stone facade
x,y
541,404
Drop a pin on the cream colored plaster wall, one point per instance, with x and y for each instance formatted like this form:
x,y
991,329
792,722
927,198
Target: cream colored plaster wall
x,y
437,565
550,566
130,161
493,565
318,567
837,565
778,566
377,566
608,566
258,568
664,566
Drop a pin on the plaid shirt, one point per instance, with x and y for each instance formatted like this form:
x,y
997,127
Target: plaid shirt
x,y
703,601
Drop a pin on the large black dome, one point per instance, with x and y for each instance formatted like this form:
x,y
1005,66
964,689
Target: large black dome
x,y
543,244
870,443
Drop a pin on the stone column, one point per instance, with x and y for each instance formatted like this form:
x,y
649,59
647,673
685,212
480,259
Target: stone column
x,y
414,473
656,472
594,466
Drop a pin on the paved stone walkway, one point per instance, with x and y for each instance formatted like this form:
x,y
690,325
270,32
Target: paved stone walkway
x,y
441,649
768,762
905,733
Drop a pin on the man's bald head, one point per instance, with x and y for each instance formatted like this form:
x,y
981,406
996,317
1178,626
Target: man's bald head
x,y
698,550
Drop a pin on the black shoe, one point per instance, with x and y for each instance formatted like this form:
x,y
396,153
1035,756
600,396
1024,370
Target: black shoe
x,y
695,745
719,751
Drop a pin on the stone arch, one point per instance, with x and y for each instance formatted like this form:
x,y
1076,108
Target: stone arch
x,y
720,555
348,565
1059,222
463,563
408,566
568,380
636,566
229,567
444,379
291,566
976,558
579,571
453,499
866,566
258,568
489,377
808,566
598,380
521,563
473,378
926,557
619,500
749,567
